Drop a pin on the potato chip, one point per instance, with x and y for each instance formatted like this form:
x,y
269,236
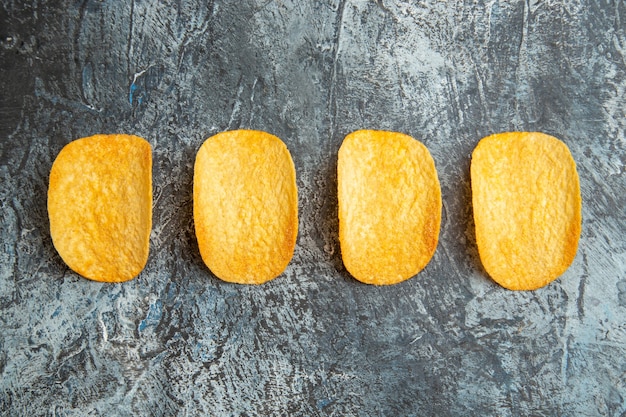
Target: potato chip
x,y
527,208
389,206
100,206
245,206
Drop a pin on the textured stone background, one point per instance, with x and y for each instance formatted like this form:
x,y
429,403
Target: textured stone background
x,y
177,341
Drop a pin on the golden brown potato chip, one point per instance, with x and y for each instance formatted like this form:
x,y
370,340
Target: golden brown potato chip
x,y
100,206
245,206
527,208
389,206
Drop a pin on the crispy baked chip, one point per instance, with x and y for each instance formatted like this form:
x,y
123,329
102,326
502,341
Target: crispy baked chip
x,y
100,206
245,206
389,206
527,208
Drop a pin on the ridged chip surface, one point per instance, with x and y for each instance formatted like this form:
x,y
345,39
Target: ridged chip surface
x,y
389,206
527,208
245,206
100,206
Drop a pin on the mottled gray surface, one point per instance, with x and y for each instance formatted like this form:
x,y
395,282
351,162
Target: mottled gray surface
x,y
177,341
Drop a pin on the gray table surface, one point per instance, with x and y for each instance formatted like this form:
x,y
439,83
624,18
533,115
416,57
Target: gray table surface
x,y
313,342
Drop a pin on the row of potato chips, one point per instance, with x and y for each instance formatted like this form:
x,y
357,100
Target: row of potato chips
x,y
525,196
